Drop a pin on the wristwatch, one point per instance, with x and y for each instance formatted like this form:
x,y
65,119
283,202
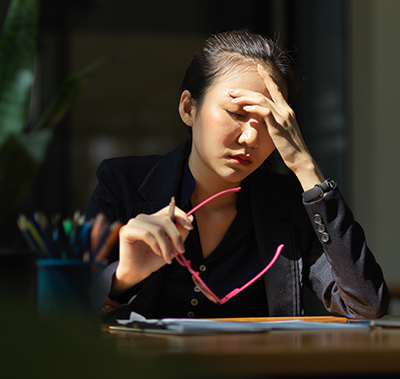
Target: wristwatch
x,y
318,191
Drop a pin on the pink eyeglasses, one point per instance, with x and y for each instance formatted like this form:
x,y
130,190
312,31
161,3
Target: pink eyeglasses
x,y
195,275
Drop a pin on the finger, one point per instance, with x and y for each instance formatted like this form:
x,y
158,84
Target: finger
x,y
150,230
177,214
170,227
254,101
241,97
272,87
181,218
267,115
175,225
133,232
263,112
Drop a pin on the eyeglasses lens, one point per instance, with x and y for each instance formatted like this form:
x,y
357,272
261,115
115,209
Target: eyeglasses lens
x,y
206,292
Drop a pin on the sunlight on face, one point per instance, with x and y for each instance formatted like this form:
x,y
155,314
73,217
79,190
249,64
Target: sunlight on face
x,y
228,142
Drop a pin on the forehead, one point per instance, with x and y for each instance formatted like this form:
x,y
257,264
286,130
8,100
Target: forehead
x,y
246,77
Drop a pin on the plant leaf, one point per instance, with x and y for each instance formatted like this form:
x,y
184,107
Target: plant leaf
x,y
18,169
17,57
70,89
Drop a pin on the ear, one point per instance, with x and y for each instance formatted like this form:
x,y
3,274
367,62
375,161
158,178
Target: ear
x,y
186,108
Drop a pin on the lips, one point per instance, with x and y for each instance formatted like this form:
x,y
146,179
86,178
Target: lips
x,y
242,159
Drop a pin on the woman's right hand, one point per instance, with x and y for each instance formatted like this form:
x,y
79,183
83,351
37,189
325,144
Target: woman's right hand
x,y
145,246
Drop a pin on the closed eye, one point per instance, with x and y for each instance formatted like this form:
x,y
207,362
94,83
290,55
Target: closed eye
x,y
235,115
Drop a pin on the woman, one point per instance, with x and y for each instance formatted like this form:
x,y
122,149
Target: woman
x,y
235,99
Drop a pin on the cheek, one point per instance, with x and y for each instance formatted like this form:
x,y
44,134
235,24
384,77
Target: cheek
x,y
216,125
268,146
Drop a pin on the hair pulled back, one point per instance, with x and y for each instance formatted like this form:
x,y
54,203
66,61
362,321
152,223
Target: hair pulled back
x,y
222,51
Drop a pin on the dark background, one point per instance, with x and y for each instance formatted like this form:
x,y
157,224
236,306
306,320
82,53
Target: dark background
x,y
130,106
313,30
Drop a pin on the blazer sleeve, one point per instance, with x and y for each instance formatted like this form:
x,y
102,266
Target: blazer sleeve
x,y
106,197
346,278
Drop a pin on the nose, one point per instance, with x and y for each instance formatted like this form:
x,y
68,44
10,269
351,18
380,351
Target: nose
x,y
249,134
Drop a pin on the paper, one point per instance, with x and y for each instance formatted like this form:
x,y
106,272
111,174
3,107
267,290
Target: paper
x,y
387,322
137,322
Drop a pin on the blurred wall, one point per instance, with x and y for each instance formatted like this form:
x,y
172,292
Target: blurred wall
x,y
130,105
124,110
374,82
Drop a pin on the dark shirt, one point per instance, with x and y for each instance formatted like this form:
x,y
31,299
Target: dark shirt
x,y
232,264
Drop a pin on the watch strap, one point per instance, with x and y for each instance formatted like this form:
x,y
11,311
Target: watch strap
x,y
318,191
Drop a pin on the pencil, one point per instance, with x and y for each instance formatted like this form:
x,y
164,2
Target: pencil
x,y
22,224
41,224
95,234
171,211
36,236
109,241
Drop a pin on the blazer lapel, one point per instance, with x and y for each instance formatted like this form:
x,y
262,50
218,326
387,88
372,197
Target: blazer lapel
x,y
162,182
269,213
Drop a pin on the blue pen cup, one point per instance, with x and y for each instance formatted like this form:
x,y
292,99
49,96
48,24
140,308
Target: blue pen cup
x,y
69,291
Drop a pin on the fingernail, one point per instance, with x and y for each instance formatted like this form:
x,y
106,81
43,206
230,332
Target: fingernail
x,y
232,91
168,258
157,250
187,224
181,248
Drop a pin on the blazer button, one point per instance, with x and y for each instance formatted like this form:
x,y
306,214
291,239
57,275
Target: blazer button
x,y
325,237
190,314
194,302
321,228
318,219
202,268
196,289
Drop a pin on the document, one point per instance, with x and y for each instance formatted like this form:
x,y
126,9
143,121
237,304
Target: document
x,y
138,323
386,322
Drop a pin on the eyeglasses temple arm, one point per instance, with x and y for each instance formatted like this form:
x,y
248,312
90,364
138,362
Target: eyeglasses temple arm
x,y
212,198
237,290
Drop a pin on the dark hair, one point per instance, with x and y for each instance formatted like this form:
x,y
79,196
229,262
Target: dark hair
x,y
220,52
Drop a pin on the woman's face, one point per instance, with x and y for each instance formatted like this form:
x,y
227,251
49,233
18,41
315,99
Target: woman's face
x,y
228,142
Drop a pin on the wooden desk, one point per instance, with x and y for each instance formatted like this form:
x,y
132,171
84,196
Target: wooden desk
x,y
329,352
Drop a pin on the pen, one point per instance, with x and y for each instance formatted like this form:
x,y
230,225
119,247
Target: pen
x,y
171,213
63,240
67,225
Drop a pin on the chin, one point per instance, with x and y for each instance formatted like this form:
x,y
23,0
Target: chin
x,y
235,176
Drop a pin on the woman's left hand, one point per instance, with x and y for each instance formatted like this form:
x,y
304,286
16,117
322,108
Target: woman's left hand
x,y
282,127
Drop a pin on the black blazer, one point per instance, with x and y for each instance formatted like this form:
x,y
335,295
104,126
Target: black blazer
x,y
324,247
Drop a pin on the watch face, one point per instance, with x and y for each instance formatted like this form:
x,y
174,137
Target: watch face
x,y
331,183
